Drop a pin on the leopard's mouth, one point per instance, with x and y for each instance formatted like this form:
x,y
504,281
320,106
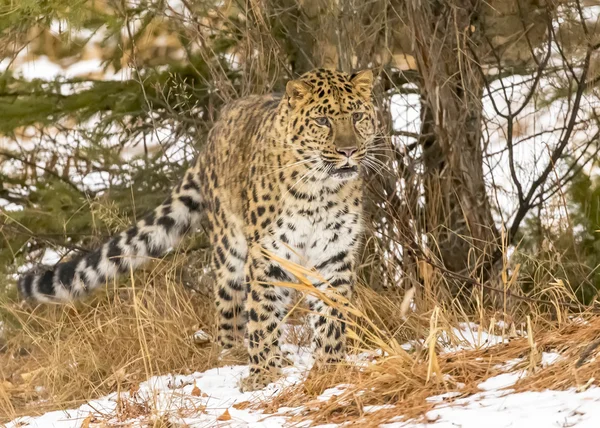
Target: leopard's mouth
x,y
345,171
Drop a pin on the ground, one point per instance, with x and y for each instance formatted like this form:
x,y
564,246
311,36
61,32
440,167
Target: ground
x,y
506,394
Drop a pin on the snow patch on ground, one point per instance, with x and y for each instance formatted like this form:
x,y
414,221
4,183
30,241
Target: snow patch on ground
x,y
502,381
212,399
473,336
497,409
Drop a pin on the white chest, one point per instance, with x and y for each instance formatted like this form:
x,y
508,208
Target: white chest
x,y
311,232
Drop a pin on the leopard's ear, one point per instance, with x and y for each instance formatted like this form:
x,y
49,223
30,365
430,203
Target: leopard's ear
x,y
363,81
297,90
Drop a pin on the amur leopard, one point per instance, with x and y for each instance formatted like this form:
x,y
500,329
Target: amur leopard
x,y
281,175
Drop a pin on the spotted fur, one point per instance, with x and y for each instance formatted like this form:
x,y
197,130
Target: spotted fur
x,y
279,174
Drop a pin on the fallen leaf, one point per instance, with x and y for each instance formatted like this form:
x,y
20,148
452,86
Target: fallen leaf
x,y
225,416
242,405
196,391
86,421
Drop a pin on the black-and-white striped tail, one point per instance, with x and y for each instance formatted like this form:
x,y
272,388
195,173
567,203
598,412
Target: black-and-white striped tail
x,y
151,237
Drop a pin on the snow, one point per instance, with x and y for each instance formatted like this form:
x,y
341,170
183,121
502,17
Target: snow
x,y
525,409
41,68
212,399
200,337
464,336
9,206
84,68
472,336
198,400
96,180
499,407
502,381
50,257
406,114
201,399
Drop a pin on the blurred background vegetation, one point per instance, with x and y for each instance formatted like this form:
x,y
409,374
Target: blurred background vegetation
x,y
489,109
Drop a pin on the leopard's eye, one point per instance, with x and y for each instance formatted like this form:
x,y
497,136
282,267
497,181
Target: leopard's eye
x,y
322,121
357,115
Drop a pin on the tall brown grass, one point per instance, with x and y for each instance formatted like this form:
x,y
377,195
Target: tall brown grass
x,y
58,356
436,364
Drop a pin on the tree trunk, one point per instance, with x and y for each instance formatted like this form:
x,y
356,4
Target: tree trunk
x,y
342,34
458,211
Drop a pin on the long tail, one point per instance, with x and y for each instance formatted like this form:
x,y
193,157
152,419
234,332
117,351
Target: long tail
x,y
151,237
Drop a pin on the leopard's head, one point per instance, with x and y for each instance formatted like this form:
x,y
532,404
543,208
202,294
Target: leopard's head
x,y
332,122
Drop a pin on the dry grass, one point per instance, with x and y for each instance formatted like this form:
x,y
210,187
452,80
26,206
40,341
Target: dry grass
x,y
406,379
58,356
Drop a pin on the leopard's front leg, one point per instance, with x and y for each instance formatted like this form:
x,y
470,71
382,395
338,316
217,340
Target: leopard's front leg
x,y
329,321
266,307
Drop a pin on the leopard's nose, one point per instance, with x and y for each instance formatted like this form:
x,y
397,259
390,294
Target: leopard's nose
x,y
348,151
